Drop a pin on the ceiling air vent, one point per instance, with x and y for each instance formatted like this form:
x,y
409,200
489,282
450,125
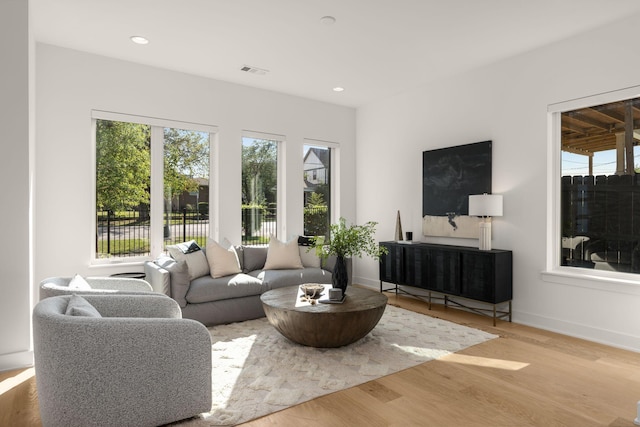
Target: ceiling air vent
x,y
254,70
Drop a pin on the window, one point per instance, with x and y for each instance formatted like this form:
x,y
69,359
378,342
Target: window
x,y
599,189
317,190
152,185
123,179
259,189
186,186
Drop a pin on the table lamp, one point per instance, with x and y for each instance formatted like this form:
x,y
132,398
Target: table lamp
x,y
485,206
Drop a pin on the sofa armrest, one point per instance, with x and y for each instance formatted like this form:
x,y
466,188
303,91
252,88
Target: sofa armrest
x,y
158,277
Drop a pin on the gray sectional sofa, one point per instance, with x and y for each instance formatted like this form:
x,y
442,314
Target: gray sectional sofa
x,y
234,297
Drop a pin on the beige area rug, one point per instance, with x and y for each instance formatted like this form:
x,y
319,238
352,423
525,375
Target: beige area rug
x,y
256,371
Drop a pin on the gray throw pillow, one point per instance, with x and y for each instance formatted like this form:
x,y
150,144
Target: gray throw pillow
x,y
254,258
78,306
308,257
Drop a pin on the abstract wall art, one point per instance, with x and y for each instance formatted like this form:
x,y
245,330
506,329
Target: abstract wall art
x,y
449,176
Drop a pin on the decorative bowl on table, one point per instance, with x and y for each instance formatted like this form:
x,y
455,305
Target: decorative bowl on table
x,y
312,290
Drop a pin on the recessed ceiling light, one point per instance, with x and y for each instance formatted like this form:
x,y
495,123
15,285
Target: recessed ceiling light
x,y
338,89
328,20
139,40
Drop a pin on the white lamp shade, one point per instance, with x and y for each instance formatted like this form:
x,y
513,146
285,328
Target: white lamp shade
x,y
485,205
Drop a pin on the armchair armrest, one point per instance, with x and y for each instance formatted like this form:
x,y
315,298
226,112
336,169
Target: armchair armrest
x,y
119,284
54,286
135,306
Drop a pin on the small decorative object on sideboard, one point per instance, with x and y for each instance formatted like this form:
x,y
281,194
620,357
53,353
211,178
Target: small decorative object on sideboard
x,y
398,227
485,206
347,242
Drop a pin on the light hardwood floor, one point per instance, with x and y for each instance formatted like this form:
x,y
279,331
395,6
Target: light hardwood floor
x,y
526,377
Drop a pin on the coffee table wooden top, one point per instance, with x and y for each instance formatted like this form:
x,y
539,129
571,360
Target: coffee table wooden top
x,y
324,325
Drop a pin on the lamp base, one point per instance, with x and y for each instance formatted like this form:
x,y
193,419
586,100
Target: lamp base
x,y
485,235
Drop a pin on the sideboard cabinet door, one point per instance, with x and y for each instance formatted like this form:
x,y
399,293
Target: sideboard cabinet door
x,y
416,265
443,270
392,264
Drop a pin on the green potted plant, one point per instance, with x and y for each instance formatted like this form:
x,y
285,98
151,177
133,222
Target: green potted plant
x,y
347,242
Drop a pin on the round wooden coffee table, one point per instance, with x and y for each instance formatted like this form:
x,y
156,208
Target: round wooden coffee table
x,y
324,325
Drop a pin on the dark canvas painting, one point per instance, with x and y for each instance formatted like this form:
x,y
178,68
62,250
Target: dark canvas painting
x,y
449,176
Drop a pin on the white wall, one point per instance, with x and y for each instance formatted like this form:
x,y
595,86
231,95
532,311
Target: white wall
x,y
16,174
70,84
507,103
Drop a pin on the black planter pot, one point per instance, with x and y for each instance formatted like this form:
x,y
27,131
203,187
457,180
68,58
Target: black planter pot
x,y
340,276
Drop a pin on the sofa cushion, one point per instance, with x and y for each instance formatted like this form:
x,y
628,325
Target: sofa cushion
x,y
308,257
193,255
283,255
78,306
223,261
273,279
254,258
206,288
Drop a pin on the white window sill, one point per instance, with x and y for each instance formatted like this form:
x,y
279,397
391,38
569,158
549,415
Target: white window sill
x,y
115,263
592,279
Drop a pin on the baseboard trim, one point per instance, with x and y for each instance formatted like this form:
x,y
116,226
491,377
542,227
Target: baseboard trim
x,y
367,282
19,360
576,330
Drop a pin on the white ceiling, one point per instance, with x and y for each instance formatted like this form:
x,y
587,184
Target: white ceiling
x,y
375,49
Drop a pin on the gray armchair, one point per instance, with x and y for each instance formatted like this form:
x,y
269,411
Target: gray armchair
x,y
140,364
54,286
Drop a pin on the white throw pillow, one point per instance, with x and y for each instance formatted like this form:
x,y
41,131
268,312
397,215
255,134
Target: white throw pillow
x,y
308,256
222,261
190,253
281,256
78,282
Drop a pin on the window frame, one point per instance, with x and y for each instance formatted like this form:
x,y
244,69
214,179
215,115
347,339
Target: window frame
x,y
281,141
334,174
554,272
156,206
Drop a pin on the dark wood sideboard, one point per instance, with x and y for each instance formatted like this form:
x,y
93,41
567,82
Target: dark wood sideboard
x,y
452,271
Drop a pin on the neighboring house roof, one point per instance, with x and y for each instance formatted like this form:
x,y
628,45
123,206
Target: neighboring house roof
x,y
321,154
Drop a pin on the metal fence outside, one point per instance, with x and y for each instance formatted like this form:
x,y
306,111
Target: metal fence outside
x,y
127,233
258,225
